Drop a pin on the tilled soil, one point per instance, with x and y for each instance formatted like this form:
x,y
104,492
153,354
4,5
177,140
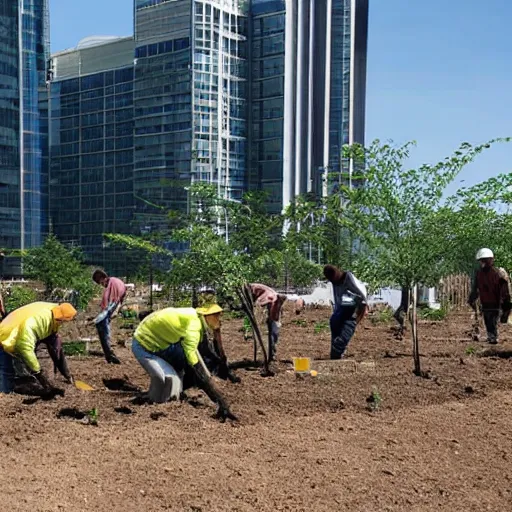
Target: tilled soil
x,y
364,435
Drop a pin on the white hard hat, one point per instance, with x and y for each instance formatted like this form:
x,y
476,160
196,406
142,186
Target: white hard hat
x,y
484,253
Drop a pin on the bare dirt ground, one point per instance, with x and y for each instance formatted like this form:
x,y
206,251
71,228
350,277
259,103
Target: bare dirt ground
x,y
302,444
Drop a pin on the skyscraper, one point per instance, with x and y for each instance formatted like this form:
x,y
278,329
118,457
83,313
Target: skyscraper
x,y
308,77
241,94
24,52
91,144
190,102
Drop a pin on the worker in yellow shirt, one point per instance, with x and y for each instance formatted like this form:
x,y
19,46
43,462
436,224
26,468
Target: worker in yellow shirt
x,y
22,331
166,342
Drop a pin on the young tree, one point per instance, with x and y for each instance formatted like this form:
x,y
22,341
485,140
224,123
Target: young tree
x,y
59,267
395,217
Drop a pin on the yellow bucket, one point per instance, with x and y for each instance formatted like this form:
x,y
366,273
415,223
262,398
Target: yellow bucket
x,y
302,364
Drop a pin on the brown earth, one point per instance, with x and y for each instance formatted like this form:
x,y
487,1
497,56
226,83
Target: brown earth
x,y
441,443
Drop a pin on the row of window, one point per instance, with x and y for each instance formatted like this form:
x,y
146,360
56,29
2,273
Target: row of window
x,y
151,50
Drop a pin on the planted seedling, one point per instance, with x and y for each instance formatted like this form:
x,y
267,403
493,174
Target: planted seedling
x,y
471,350
374,401
321,326
300,322
93,416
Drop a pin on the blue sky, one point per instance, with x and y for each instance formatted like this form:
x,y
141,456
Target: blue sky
x,y
439,71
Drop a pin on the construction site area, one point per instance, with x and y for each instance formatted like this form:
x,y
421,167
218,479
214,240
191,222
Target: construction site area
x,y
360,434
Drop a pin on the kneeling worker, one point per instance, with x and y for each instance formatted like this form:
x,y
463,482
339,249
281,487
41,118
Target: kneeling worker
x,y
166,341
23,331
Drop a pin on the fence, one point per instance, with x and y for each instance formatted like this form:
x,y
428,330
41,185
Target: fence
x,y
455,290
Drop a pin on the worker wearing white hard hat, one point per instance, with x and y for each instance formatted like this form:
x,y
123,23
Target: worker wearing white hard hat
x,y
484,254
490,285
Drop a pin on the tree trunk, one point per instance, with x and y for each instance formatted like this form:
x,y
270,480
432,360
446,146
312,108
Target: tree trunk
x,y
414,330
247,303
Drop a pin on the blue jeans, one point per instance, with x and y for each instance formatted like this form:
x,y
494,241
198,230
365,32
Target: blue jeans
x,y
104,335
165,369
6,372
343,326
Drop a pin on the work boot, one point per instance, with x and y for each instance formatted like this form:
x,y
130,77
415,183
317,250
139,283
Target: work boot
x,y
112,359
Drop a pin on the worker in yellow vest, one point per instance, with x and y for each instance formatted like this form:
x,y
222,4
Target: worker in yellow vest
x,y
22,331
166,343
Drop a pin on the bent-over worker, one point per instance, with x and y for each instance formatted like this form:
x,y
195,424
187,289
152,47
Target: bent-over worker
x,y
349,308
23,331
166,343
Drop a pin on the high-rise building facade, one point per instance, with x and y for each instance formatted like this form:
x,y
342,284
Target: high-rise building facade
x,y
190,102
92,145
241,94
24,51
308,77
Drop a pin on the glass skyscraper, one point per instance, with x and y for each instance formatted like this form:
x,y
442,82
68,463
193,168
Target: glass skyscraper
x,y
24,52
308,87
91,145
241,94
190,103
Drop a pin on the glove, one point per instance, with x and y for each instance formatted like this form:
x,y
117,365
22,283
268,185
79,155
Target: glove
x,y
208,386
223,414
49,391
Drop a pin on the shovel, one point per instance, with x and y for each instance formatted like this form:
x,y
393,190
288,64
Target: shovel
x,y
83,386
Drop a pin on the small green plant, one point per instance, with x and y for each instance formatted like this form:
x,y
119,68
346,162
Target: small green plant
x,y
18,296
128,313
247,329
233,314
321,326
75,348
374,401
471,350
300,322
383,316
434,315
93,416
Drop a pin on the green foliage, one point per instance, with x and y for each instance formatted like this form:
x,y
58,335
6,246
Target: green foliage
x,y
383,316
247,329
75,348
374,401
93,416
471,350
396,214
59,267
321,327
17,296
434,315
300,322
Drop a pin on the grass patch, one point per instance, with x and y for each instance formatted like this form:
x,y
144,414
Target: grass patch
x,y
321,327
75,348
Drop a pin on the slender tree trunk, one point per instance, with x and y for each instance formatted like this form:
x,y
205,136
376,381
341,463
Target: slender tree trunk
x,y
245,297
414,330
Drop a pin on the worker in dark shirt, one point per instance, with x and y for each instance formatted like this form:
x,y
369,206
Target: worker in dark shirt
x,y
490,285
350,307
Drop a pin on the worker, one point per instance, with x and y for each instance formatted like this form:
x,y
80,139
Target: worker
x,y
265,296
23,331
491,287
350,307
113,297
166,342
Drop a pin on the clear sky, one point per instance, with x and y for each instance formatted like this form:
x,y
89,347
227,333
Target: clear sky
x,y
439,71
